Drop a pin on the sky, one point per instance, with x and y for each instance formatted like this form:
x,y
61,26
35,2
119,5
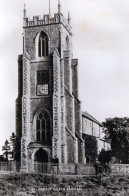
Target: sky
x,y
100,42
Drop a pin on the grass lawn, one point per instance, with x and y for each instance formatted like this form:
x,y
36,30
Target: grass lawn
x,y
50,185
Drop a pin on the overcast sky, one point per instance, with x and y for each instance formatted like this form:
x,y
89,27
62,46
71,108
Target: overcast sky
x,y
100,42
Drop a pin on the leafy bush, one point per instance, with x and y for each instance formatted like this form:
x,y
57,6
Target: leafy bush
x,y
90,147
105,156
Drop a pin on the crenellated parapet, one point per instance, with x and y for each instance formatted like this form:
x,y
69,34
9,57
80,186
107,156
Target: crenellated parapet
x,y
46,20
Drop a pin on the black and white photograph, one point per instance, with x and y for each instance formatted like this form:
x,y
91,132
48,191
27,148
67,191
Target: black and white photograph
x,y
64,98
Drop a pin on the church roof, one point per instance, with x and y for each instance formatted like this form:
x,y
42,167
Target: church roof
x,y
86,115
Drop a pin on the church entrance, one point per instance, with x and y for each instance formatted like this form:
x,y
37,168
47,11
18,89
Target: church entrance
x,y
41,161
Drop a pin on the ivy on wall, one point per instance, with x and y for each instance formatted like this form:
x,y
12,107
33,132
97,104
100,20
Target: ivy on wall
x,y
90,147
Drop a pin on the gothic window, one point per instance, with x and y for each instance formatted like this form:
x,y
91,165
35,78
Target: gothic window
x,y
43,132
42,82
43,45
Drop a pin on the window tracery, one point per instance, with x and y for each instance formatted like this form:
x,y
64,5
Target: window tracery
x,y
43,45
43,132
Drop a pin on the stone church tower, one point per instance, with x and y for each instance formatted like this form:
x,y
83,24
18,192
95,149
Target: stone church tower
x,y
48,110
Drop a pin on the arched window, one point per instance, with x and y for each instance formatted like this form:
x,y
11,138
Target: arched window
x,y
43,45
43,132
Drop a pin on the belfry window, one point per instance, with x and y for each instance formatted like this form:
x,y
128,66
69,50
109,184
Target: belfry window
x,y
43,132
42,82
43,45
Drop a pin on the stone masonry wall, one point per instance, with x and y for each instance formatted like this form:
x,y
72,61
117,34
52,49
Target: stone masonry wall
x,y
19,99
79,151
75,77
119,169
20,75
68,112
66,73
77,115
70,149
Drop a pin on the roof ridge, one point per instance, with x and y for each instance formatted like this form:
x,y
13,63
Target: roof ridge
x,y
91,117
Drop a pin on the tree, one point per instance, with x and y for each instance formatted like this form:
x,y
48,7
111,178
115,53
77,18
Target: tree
x,y
6,149
12,143
12,148
117,131
105,156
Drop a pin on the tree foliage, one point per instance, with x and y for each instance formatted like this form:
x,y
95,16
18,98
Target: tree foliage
x,y
12,148
117,131
105,156
90,147
12,143
6,149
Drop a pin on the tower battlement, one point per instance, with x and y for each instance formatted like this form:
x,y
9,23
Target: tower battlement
x,y
46,20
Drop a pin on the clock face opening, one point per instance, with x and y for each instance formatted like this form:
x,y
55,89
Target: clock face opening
x,y
42,89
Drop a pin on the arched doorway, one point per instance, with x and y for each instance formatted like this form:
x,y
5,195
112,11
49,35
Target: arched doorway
x,y
41,156
41,161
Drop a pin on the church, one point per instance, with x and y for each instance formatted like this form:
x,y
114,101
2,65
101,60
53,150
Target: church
x,y
48,109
